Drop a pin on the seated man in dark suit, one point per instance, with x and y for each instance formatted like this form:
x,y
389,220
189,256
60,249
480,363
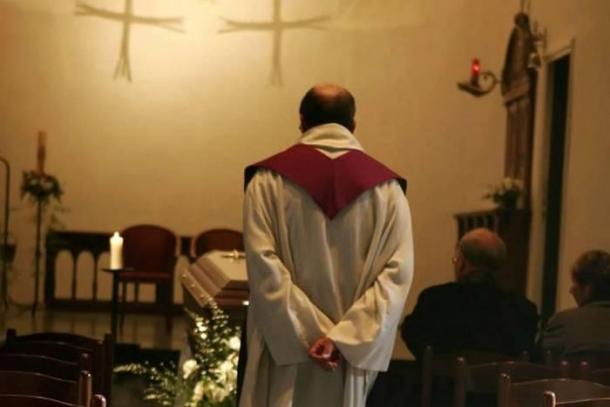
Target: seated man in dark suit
x,y
586,329
472,313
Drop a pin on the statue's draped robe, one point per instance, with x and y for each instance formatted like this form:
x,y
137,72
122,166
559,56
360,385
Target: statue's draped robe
x,y
345,277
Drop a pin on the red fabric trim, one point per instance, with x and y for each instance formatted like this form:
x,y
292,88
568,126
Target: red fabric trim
x,y
332,183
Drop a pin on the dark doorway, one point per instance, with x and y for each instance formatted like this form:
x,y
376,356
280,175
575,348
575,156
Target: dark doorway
x,y
559,74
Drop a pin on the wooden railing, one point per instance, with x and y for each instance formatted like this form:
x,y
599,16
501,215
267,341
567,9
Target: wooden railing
x,y
94,244
513,227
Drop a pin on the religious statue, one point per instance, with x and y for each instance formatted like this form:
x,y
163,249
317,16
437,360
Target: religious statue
x,y
521,49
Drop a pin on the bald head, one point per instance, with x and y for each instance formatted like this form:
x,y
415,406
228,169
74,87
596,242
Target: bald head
x,y
482,250
328,103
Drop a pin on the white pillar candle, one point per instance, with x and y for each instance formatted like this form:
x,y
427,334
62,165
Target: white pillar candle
x,y
116,251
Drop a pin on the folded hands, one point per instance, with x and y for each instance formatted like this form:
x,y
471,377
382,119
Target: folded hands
x,y
325,354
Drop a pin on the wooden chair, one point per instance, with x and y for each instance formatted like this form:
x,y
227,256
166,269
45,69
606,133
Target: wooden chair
x,y
55,350
550,400
151,253
101,353
69,338
444,366
98,401
39,364
216,239
22,400
595,359
531,393
482,380
36,384
601,376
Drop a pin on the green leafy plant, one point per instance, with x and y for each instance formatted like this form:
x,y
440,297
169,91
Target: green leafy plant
x,y
40,187
209,378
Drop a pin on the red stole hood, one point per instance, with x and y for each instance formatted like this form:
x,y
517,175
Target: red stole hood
x,y
332,183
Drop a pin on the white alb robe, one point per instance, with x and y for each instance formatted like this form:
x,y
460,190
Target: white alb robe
x,y
310,276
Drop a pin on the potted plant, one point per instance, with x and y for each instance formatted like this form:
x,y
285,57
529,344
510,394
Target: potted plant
x,y
505,195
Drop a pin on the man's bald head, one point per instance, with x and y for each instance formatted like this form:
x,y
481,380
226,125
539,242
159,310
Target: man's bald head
x,y
327,104
482,250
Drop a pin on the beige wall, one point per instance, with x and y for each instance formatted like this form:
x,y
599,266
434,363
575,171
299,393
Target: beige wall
x,y
170,146
579,27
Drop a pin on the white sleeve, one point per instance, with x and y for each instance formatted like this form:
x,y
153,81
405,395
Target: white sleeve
x,y
284,314
366,333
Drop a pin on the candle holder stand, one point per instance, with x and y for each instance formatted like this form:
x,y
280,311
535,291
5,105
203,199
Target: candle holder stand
x,y
114,310
37,256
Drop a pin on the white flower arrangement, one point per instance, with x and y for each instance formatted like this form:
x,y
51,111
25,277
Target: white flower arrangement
x,y
188,368
506,194
209,378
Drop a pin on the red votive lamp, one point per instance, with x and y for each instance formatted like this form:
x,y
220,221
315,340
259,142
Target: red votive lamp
x,y
475,71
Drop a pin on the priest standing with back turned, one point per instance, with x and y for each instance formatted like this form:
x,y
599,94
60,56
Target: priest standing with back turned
x,y
329,250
